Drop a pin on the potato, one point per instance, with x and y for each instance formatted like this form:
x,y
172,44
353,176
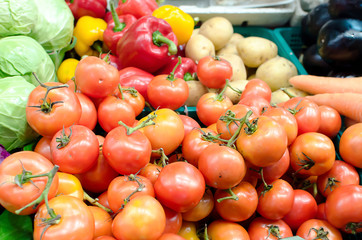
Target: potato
x,y
195,32
295,92
218,29
198,47
239,71
278,96
276,72
256,50
235,38
230,47
238,85
196,90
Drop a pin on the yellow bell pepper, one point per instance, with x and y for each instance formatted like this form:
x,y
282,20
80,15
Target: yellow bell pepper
x,y
182,23
66,70
88,31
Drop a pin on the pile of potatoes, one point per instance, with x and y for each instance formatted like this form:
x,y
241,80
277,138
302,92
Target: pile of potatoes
x,y
250,57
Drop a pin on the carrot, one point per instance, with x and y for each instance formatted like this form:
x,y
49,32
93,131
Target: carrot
x,y
320,84
347,104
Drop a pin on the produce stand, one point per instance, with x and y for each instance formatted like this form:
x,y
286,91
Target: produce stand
x,y
83,166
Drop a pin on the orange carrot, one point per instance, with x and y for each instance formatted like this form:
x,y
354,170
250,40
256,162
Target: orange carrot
x,y
347,104
319,84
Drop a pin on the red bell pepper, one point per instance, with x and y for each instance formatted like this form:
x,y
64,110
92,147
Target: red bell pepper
x,y
116,28
137,78
148,44
137,8
93,8
186,70
111,59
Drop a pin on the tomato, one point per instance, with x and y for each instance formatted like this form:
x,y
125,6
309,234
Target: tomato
x,y
69,185
76,220
312,154
331,121
340,174
126,153
103,199
180,186
173,220
95,77
214,71
105,238
305,112
188,231
168,131
132,97
211,106
202,209
167,91
151,171
74,149
265,229
89,111
257,104
100,175
112,110
142,218
189,123
48,112
171,236
125,188
14,197
321,213
275,199
304,208
350,145
239,209
221,230
257,88
263,143
102,222
278,169
318,229
195,142
213,127
285,119
344,208
43,147
222,167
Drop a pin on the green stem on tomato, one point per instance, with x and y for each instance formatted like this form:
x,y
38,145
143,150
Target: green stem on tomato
x,y
149,121
95,202
232,196
241,122
163,159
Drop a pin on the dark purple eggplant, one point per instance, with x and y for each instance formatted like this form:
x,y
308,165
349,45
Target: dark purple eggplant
x,y
314,63
345,9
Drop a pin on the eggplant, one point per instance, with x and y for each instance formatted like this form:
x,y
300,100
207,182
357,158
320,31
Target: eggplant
x,y
314,63
340,42
345,9
312,22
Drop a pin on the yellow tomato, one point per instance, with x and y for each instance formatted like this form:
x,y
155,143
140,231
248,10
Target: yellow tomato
x,y
188,231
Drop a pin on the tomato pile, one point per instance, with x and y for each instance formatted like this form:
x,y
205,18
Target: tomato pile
x,y
120,161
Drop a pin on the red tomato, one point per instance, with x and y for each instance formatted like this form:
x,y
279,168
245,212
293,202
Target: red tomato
x,y
89,111
278,169
321,213
285,119
142,218
171,236
318,229
76,221
100,175
202,209
132,97
350,145
340,174
61,108
222,167
214,71
14,197
221,230
75,149
43,147
105,238
275,200
102,222
95,77
180,186
239,209
304,208
263,143
166,91
312,154
69,185
188,231
257,88
151,171
173,220
331,121
305,112
211,106
257,104
189,123
103,199
344,208
265,229
125,188
126,153
112,110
